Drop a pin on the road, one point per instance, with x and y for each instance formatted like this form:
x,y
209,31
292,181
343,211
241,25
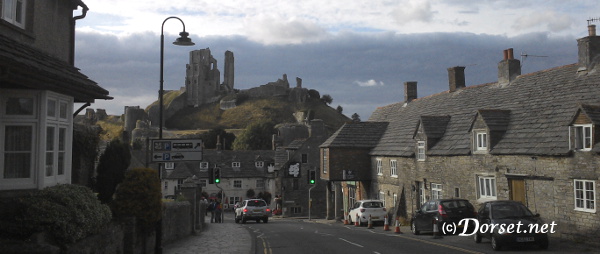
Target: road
x,y
290,236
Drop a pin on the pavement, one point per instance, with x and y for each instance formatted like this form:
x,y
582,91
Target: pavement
x,y
230,237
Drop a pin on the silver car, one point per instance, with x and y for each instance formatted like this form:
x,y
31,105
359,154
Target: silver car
x,y
365,208
252,209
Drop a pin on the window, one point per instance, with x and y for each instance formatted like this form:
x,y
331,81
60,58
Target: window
x,y
235,164
585,195
487,187
179,183
204,165
237,183
296,209
234,200
203,183
457,192
169,165
295,184
582,135
379,167
395,198
382,197
50,151
421,150
166,185
393,168
259,164
260,183
304,158
481,141
18,151
13,11
436,191
325,160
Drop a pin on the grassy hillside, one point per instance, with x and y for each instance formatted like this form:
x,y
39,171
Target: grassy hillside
x,y
277,110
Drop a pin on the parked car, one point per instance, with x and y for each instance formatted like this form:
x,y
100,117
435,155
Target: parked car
x,y
252,209
366,208
442,211
508,212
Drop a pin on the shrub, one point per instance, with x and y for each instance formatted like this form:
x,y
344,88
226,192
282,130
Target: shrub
x,y
111,168
67,212
139,195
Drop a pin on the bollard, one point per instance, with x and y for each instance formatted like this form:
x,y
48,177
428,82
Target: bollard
x,y
346,219
357,221
397,230
370,226
386,226
436,231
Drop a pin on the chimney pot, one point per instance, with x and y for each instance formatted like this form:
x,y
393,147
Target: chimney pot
x,y
410,91
592,30
456,78
510,53
505,52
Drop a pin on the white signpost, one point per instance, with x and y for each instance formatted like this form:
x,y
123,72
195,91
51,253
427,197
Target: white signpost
x,y
173,150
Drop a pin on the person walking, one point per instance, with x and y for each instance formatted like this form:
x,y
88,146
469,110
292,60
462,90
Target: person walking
x,y
211,209
218,212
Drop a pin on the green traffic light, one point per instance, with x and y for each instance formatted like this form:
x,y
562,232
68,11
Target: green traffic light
x,y
312,181
217,180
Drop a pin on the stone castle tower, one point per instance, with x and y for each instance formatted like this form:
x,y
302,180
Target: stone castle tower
x,y
202,80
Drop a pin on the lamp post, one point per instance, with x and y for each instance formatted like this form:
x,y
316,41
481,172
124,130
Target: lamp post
x,y
183,40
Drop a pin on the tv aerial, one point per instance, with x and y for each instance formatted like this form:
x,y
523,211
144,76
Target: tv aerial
x,y
524,56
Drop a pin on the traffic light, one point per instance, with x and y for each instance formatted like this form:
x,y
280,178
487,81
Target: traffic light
x,y
217,175
312,177
211,176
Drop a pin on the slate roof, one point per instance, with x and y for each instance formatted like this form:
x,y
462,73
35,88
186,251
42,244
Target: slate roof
x,y
495,119
224,159
592,112
434,126
541,106
356,135
34,69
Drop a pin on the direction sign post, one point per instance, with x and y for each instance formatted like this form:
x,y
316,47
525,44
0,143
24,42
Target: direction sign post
x,y
174,150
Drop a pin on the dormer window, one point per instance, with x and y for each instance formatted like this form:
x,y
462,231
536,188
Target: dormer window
x,y
421,148
582,137
169,165
235,164
204,165
259,164
13,11
481,141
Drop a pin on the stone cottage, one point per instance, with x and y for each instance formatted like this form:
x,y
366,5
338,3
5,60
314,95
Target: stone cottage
x,y
527,137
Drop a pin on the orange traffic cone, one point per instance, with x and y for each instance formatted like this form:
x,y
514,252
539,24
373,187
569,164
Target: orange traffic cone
x,y
370,226
357,221
397,230
346,219
386,226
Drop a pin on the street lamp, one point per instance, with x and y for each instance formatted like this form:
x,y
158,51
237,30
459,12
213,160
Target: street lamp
x,y
183,40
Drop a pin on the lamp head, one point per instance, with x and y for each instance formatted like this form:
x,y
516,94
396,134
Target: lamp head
x,y
184,40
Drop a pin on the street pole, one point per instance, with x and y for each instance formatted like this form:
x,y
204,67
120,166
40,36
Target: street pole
x,y
310,200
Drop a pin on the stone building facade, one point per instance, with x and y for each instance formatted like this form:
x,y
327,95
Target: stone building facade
x,y
532,137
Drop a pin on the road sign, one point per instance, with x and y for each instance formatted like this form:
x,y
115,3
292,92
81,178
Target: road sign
x,y
172,150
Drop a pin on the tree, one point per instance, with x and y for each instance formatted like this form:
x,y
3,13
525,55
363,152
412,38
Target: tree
x,y
256,136
327,98
355,117
111,169
339,109
250,193
139,195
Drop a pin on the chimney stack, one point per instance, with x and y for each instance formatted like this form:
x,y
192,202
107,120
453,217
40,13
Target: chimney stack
x,y
509,68
456,78
589,49
410,91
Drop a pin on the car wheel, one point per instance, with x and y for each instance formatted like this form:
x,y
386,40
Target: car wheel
x,y
413,228
265,220
257,221
495,244
477,238
243,220
237,220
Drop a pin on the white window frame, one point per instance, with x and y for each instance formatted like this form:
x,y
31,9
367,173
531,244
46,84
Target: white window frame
x,y
481,141
584,194
421,148
382,197
260,183
237,184
169,165
436,191
236,164
203,165
394,168
395,198
325,151
10,14
486,187
583,136
259,164
379,167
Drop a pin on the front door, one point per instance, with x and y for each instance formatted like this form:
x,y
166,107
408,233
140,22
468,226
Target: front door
x,y
517,190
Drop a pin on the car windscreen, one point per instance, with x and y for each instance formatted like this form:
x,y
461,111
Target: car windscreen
x,y
372,205
257,203
453,204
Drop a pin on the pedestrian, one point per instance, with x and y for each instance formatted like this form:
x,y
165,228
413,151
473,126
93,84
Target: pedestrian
x,y
211,209
218,212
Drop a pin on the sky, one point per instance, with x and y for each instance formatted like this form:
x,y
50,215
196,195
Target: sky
x,y
359,52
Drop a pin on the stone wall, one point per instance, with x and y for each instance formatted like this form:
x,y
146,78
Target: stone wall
x,y
549,184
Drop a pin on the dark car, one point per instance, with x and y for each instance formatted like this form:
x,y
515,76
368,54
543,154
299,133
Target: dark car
x,y
442,211
514,224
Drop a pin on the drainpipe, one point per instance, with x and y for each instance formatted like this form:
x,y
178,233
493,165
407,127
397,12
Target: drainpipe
x,y
87,104
84,10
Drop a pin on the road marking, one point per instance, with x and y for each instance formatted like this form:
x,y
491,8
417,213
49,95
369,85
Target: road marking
x,y
355,244
438,244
